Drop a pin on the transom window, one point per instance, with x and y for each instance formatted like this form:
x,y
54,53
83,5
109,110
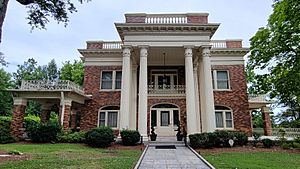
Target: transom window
x,y
108,116
220,79
111,80
224,118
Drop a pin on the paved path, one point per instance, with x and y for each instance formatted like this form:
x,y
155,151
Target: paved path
x,y
181,157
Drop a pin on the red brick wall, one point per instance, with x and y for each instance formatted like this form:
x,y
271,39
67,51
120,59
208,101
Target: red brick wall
x,y
197,19
178,102
233,43
89,115
236,98
17,121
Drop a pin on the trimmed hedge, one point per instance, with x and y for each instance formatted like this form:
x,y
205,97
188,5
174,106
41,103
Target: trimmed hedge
x,y
44,132
219,138
130,137
99,137
268,143
71,137
5,136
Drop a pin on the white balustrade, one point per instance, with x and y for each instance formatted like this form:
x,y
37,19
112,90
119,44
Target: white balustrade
x,y
166,19
166,89
288,132
257,98
112,45
218,44
47,85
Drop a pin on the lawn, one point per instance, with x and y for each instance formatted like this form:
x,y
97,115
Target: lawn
x,y
255,160
69,156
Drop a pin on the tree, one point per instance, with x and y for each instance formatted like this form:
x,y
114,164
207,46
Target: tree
x,y
275,56
72,71
51,70
5,97
2,61
39,11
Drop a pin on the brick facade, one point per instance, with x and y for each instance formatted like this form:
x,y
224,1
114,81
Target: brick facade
x,y
236,98
17,121
233,43
89,115
202,19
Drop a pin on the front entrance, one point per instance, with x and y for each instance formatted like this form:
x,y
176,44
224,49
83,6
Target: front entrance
x,y
165,119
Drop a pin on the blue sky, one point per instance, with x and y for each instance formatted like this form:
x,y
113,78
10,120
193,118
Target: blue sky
x,y
239,19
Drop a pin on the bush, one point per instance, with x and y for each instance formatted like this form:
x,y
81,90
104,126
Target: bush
x,y
286,145
71,137
30,120
296,145
99,137
204,140
240,138
5,122
5,136
268,143
130,137
44,132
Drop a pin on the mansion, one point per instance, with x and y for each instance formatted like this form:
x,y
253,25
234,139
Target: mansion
x,y
165,72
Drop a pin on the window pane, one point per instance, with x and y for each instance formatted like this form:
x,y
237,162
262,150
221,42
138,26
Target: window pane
x,y
212,78
153,118
228,116
106,82
219,120
102,119
118,80
222,75
229,123
164,118
222,84
175,117
112,119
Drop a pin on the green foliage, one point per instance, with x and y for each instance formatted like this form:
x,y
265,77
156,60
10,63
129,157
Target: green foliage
x,y
44,132
130,137
6,100
15,152
268,143
30,120
204,140
33,108
287,145
5,136
256,137
99,137
273,66
71,137
72,71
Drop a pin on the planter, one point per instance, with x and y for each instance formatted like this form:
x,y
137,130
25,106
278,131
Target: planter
x,y
153,137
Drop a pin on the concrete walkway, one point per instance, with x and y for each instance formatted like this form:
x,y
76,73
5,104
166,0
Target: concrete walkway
x,y
181,157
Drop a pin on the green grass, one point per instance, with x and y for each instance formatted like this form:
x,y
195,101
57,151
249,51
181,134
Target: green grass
x,y
44,156
257,160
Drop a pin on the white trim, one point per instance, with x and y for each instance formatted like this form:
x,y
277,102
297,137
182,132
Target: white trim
x,y
113,87
215,79
106,117
224,119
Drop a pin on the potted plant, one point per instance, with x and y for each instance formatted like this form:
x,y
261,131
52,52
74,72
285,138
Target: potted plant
x,y
153,135
179,135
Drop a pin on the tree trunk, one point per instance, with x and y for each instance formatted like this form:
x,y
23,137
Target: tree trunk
x,y
3,8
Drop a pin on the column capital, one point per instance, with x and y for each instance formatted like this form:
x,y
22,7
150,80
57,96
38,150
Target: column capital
x,y
20,101
188,52
143,51
126,51
206,50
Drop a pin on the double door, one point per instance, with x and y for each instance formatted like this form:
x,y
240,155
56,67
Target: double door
x,y
165,121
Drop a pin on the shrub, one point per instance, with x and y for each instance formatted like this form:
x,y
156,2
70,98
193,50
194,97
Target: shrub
x,y
256,137
240,138
5,136
286,145
204,140
44,132
99,137
30,120
5,122
268,143
296,145
130,137
71,137
222,138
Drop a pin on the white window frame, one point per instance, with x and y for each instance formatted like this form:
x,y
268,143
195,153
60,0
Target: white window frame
x,y
114,73
106,117
224,119
215,80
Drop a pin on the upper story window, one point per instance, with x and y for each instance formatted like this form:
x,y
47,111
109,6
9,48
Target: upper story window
x,y
220,79
223,117
111,80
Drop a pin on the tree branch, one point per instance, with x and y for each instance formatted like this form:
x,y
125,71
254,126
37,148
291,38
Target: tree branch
x,y
25,2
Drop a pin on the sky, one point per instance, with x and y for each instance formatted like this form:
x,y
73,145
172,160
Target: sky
x,y
240,19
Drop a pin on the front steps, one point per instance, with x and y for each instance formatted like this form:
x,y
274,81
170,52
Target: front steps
x,y
165,141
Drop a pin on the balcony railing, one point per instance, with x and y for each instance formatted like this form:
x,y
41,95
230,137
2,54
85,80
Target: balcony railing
x,y
289,132
166,89
257,98
47,85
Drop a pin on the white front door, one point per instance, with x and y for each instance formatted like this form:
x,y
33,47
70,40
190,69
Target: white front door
x,y
165,121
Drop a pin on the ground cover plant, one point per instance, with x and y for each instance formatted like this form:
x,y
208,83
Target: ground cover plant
x,y
49,156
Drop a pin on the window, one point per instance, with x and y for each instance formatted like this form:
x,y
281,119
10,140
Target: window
x,y
111,80
220,79
108,116
223,117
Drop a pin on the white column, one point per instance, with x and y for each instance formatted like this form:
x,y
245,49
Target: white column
x,y
133,109
208,90
190,92
197,104
142,116
125,89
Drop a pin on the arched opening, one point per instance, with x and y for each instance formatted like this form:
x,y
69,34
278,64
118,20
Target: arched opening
x,y
165,118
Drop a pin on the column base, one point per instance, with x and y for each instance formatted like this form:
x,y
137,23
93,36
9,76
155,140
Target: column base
x,y
145,138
